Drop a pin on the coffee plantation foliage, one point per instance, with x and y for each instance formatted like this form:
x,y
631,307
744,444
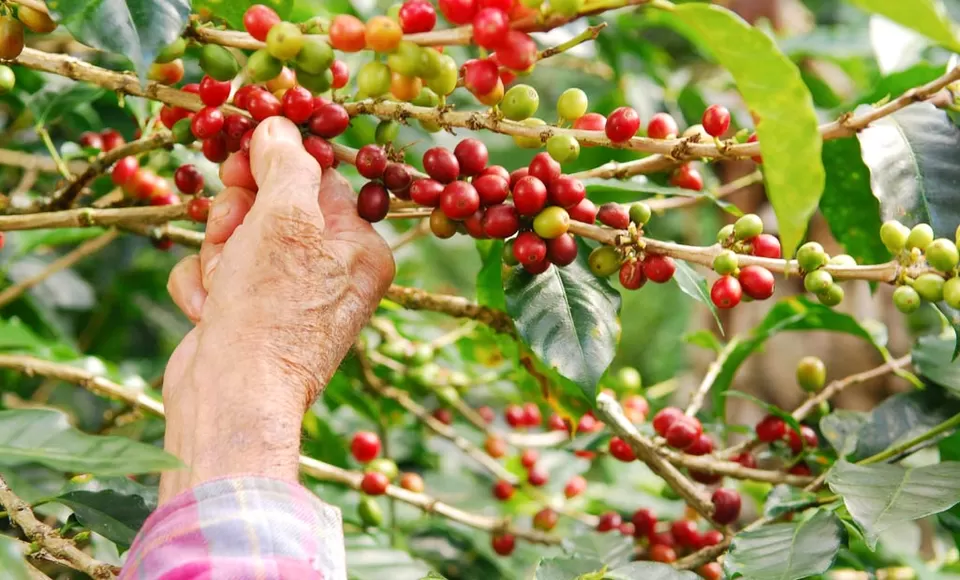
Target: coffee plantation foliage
x,y
573,190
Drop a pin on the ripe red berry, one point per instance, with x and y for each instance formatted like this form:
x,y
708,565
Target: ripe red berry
x,y
726,505
516,175
124,170
757,282
492,189
621,450
544,168
665,418
702,446
528,459
726,292
771,428
575,486
614,215
417,16
644,522
566,191
495,447
170,115
705,477
626,528
515,416
765,246
458,11
555,422
242,96
503,544
663,539
397,178
215,149
538,476
348,33
111,139
622,124
472,156
529,249
711,538
756,159
711,570
716,120
529,195
198,208
686,533
807,438
661,126
503,490
365,446
683,433
745,459
609,521
662,553
659,268
207,123
373,202
591,122
588,423
631,275
263,105
297,105
371,161
585,211
165,197
545,520
236,126
443,415
426,192
341,74
562,251
188,179
441,164
214,93
374,483
531,415
636,408
459,200
91,140
320,149
258,20
486,413
329,121
687,177
490,26
142,184
412,482
517,52
481,76
801,469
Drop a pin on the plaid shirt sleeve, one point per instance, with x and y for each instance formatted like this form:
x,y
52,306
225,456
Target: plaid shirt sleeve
x,y
240,528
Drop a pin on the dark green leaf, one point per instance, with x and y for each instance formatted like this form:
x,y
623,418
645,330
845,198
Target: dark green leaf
x,y
774,91
45,436
953,319
928,17
932,357
694,285
785,499
903,417
912,159
15,335
786,551
566,568
490,276
12,559
882,496
137,29
568,317
370,559
848,203
841,429
113,515
56,100
649,571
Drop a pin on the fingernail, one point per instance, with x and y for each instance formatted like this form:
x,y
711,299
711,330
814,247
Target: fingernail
x,y
196,302
210,266
219,211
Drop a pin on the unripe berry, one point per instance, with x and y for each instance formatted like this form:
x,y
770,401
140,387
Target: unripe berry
x,y
621,450
951,293
568,8
929,286
894,235
614,215
726,262
218,62
552,222
658,268
347,33
373,79
716,121
383,465
545,520
459,200
520,102
811,256
572,104
529,249
529,142
631,275
503,544
284,40
604,261
562,251
662,126
503,490
726,292
726,506
374,483
315,57
747,226
261,66
373,202
811,374
622,124
920,237
472,156
170,73
495,447
640,213
35,20
365,446
771,428
529,195
942,254
383,34
575,486
441,164
832,296
817,281
563,148
404,88
765,246
444,81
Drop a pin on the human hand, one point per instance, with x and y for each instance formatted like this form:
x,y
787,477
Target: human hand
x,y
284,281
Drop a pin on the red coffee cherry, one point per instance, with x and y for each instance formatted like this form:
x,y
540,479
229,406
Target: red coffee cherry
x,y
458,11
374,483
348,33
644,521
686,533
215,149
472,156
702,446
712,538
631,275
683,433
297,105
566,191
529,196
555,422
765,246
757,282
687,177
242,96
636,408
459,200
492,189
662,126
757,159
320,149
198,209
662,553
426,192
663,539
417,16
398,179
495,447
591,122
716,120
726,292
365,446
658,268
575,486
609,521
371,161
165,197
111,139
503,544
188,179
124,170
745,459
481,76
585,212
486,413
531,415
214,93
341,74
91,140
515,416
726,506
207,123
528,459
236,126
712,570
441,164
490,26
538,476
544,168
517,174
263,105
545,520
665,418
329,121
412,482
771,428
807,438
529,249
258,20
621,450
801,469
562,251
622,124
626,529
517,52
373,202
705,477
614,215
503,490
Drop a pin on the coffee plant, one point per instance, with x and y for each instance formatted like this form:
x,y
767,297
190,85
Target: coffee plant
x,y
559,179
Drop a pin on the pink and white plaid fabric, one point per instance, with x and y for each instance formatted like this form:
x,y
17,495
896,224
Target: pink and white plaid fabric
x,y
243,528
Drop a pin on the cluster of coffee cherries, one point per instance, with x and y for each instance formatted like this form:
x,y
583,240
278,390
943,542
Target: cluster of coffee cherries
x,y
745,236
917,246
12,24
379,472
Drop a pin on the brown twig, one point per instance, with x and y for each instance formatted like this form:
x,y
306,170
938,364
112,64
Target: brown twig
x,y
416,299
38,162
89,217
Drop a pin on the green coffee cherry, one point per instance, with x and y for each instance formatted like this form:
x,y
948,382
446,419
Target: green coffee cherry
x,y
7,79
640,213
604,261
572,104
445,80
393,13
405,60
315,83
426,98
726,262
845,260
894,235
315,56
832,296
284,40
920,237
219,63
172,51
396,349
370,513
182,133
906,299
520,102
426,375
262,66
563,148
458,380
422,354
385,466
430,63
629,378
552,222
951,292
929,286
507,255
748,226
942,254
529,142
373,79
430,126
448,394
725,233
811,256
811,374
817,281
567,7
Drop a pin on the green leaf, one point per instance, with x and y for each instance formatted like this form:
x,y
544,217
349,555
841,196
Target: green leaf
x,y
232,10
882,496
58,99
649,571
113,515
784,499
841,429
137,29
11,559
45,436
694,285
786,551
566,568
490,276
797,313
932,357
568,317
903,417
369,558
17,336
928,17
953,319
30,240
848,203
611,549
912,159
774,91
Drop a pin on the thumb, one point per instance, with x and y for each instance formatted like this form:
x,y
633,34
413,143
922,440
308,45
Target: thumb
x,y
285,173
